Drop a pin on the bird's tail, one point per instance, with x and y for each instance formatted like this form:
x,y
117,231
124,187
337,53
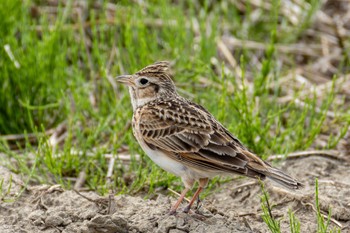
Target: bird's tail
x,y
260,169
282,178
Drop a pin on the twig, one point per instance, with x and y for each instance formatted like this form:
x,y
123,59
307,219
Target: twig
x,y
302,104
178,194
112,22
30,136
323,215
291,194
111,80
100,202
111,204
108,66
110,170
87,198
334,183
119,60
80,180
324,153
250,183
112,207
303,49
247,224
247,214
43,190
15,137
58,135
231,60
11,56
123,157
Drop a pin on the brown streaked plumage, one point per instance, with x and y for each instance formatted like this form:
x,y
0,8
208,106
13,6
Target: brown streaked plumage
x,y
184,138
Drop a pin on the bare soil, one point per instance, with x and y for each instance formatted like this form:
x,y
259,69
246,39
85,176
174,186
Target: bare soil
x,y
233,208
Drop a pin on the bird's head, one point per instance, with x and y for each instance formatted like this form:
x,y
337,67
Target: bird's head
x,y
152,82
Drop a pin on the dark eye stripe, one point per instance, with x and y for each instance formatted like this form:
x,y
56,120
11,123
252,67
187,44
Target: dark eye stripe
x,y
156,88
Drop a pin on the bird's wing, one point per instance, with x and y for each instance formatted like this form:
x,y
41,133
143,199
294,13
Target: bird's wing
x,y
191,134
174,127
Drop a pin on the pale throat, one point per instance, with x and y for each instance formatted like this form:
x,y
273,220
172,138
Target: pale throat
x,y
137,101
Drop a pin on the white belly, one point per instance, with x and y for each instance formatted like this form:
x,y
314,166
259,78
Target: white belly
x,y
164,161
175,167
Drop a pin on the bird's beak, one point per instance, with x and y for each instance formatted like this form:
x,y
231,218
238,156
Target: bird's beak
x,y
126,79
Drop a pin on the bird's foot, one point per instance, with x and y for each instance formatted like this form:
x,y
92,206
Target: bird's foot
x,y
172,212
187,209
199,204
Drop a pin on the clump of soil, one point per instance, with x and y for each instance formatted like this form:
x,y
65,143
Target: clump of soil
x,y
233,208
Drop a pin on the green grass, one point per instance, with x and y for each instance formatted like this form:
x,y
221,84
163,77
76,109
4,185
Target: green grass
x,y
294,222
4,191
274,225
63,73
323,225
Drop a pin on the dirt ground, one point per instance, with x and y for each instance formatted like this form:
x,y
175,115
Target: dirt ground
x,y
233,208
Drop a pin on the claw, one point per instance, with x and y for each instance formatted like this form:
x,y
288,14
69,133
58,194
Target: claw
x,y
187,209
172,212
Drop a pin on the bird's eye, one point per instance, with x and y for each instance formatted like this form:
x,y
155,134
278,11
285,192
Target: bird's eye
x,y
143,81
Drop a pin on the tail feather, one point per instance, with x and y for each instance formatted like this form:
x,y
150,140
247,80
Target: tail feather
x,y
260,169
282,178
266,170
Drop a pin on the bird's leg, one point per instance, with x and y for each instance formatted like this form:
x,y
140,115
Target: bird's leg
x,y
178,202
202,184
198,203
195,196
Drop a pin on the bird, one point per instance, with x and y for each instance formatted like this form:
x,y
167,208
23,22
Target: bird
x,y
185,139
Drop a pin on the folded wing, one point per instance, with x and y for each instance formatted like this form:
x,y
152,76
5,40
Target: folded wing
x,y
192,134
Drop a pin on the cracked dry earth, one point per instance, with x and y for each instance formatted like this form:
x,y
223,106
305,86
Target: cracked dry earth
x,y
233,208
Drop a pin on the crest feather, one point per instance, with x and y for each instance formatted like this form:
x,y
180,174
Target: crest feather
x,y
157,67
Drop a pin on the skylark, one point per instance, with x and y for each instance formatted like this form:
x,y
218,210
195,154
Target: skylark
x,y
184,138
